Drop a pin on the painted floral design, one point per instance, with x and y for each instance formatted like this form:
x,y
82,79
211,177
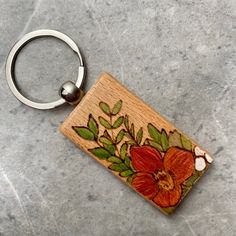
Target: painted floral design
x,y
160,179
202,158
162,167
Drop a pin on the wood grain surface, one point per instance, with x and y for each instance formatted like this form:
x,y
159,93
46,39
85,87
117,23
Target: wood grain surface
x,y
136,143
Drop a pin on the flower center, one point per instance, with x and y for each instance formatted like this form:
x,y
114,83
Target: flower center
x,y
164,179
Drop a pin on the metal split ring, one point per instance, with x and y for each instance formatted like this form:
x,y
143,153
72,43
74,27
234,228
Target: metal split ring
x,y
69,91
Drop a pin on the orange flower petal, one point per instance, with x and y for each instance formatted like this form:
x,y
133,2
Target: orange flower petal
x,y
168,198
146,159
145,184
180,162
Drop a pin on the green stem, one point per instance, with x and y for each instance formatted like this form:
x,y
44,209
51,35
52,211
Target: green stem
x,y
112,134
113,139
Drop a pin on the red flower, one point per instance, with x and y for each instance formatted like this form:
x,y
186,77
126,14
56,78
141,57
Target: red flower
x,y
159,179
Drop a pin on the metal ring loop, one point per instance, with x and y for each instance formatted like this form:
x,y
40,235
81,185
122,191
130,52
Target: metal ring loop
x,y
10,64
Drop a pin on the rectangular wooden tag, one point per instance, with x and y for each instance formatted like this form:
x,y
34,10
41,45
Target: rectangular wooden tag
x,y
136,143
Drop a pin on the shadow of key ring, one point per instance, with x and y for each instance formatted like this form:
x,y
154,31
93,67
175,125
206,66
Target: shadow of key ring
x,y
70,92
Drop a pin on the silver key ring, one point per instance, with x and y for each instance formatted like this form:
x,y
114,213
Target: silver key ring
x,y
70,92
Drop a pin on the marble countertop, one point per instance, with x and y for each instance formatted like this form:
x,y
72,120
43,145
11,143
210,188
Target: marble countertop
x,y
178,56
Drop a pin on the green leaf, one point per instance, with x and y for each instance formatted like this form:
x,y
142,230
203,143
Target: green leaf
x,y
104,122
185,190
154,133
84,132
123,150
110,148
120,135
107,135
139,136
127,161
174,139
126,122
105,108
131,142
168,210
117,107
105,140
118,122
114,159
154,144
100,152
164,140
192,179
132,130
93,125
118,167
126,173
130,179
186,143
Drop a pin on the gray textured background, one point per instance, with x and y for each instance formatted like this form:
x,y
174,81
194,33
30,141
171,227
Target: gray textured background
x,y
177,55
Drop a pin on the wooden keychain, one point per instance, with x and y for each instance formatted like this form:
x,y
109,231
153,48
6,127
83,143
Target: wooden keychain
x,y
122,133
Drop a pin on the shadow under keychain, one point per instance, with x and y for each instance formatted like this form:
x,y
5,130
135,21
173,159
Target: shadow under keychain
x,y
122,133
